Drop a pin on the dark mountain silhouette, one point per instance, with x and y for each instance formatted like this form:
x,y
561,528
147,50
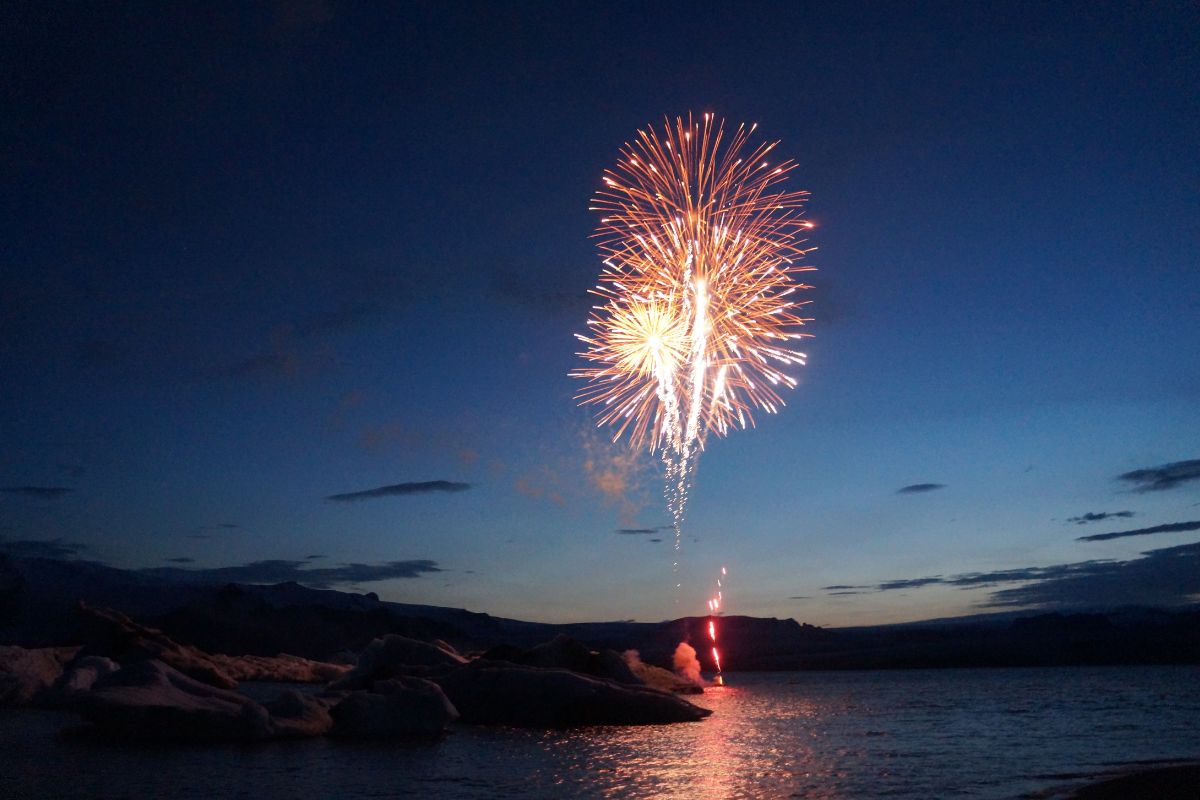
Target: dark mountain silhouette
x,y
38,599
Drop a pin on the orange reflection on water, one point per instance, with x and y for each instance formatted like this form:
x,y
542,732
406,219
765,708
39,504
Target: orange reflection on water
x,y
735,753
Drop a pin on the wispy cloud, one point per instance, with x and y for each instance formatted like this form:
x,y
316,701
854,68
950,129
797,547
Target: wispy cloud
x,y
1161,478
291,345
265,571
1173,527
910,583
38,492
341,320
918,488
205,532
400,490
1099,516
1163,577
1166,576
58,549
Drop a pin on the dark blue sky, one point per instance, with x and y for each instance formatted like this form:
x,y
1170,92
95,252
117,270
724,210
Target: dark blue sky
x,y
256,256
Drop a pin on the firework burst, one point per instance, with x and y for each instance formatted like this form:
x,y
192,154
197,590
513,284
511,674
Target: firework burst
x,y
697,322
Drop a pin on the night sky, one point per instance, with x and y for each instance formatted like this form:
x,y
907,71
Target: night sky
x,y
261,261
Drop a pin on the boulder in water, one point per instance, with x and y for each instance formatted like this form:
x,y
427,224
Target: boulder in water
x,y
499,693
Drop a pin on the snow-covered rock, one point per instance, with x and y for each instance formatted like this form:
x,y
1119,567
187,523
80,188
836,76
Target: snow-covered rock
x,y
77,679
25,674
113,635
283,668
296,715
152,700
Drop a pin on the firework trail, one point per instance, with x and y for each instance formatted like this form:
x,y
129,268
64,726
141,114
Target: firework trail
x,y
714,610
696,321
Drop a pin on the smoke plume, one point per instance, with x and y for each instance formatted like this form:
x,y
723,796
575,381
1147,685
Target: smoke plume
x,y
686,665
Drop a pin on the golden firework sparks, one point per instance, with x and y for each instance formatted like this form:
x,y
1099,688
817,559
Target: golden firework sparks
x,y
697,319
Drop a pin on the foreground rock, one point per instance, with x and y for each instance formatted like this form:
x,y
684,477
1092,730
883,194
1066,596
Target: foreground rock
x,y
398,707
153,701
26,674
487,692
394,656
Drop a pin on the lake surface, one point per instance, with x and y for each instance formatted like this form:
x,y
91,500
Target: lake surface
x,y
907,735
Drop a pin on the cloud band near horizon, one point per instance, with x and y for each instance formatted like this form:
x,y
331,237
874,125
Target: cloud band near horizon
x,y
400,490
1172,527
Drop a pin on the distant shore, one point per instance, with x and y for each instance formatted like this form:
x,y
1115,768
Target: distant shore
x,y
1175,782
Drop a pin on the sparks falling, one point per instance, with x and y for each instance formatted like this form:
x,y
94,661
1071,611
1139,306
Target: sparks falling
x,y
696,326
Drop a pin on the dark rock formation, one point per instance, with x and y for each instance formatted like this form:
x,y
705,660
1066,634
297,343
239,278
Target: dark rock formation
x,y
489,692
398,707
563,652
392,656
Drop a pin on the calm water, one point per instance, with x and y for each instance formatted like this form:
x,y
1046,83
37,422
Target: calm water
x,y
904,734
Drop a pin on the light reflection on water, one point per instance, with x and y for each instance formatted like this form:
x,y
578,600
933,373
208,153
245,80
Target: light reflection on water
x,y
823,736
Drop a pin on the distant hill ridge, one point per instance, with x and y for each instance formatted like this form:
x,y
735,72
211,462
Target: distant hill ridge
x,y
38,599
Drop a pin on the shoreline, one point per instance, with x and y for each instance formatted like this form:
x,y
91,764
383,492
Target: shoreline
x,y
1179,781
